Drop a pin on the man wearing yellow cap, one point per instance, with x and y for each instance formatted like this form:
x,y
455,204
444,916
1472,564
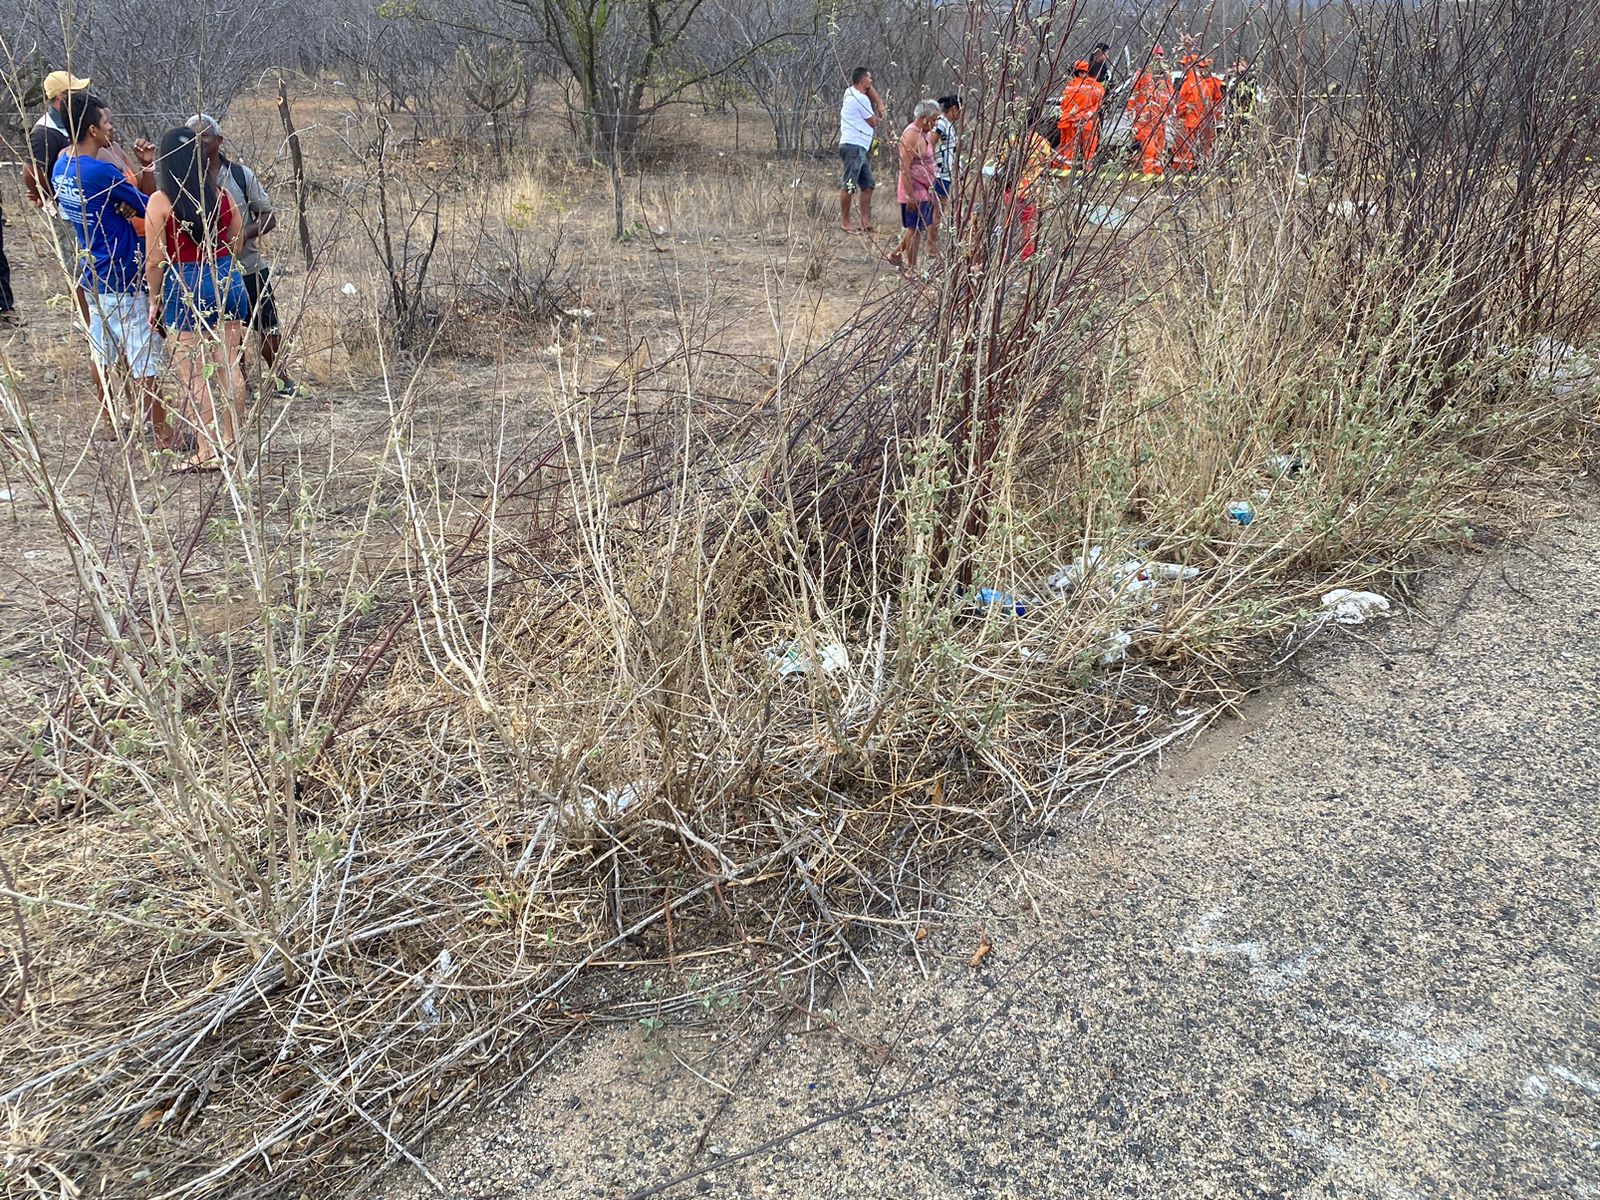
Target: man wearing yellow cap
x,y
46,141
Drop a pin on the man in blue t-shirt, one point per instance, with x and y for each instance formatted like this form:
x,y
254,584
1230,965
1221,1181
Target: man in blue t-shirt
x,y
96,199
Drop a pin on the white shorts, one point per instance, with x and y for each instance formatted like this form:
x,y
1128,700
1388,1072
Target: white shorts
x,y
119,324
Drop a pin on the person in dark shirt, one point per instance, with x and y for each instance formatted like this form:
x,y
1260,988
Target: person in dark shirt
x,y
46,140
96,198
1099,64
9,317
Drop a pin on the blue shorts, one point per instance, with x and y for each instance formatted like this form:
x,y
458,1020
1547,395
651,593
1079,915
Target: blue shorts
x,y
857,170
916,216
200,295
941,188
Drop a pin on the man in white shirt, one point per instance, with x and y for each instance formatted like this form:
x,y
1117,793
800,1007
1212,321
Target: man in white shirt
x,y
859,115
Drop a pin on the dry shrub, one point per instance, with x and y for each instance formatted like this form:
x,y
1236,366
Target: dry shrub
x,y
298,885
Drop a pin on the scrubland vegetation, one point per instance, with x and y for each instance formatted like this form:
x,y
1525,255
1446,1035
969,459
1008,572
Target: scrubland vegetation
x,y
340,790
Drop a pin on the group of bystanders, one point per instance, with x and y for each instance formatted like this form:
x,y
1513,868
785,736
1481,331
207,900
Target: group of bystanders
x,y
927,161
161,246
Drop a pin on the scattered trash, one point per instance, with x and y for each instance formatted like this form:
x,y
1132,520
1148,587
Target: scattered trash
x,y
992,597
583,314
1350,210
793,660
1565,369
1068,577
1184,712
1116,648
443,967
349,289
1161,570
1352,608
5,494
1286,466
1241,512
609,804
1106,216
1128,578
1264,495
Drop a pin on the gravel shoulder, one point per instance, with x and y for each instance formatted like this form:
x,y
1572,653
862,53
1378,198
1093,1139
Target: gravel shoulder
x,y
1346,945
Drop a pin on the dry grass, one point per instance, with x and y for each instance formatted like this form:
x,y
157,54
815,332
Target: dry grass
x,y
346,788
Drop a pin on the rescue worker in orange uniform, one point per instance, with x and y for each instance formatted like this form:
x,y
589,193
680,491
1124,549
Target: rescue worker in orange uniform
x,y
1194,120
1149,105
1216,98
1080,109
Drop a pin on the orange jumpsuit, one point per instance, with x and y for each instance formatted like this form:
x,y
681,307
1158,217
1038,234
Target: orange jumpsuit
x,y
1148,106
1199,103
1216,96
1080,125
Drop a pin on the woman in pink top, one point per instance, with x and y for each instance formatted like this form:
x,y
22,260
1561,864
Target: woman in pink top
x,y
915,189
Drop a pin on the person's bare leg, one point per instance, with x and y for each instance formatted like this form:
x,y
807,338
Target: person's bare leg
x,y
844,212
913,244
199,411
902,248
865,205
933,229
155,411
99,377
230,373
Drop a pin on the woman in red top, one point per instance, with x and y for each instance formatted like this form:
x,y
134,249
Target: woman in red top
x,y
197,295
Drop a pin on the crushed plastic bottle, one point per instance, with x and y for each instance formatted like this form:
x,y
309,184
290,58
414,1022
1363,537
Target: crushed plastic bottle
x,y
1241,512
993,597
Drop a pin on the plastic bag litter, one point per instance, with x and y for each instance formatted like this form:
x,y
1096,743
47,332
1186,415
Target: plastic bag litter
x,y
1107,216
1285,466
794,660
1066,578
1352,608
1127,577
443,968
607,805
1565,369
1166,570
1116,648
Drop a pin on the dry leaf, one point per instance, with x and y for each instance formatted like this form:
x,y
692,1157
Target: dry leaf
x,y
982,952
922,933
154,1114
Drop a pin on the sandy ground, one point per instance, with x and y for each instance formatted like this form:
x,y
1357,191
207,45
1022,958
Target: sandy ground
x,y
1345,946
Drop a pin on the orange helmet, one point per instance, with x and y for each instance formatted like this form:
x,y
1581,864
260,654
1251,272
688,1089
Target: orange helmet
x,y
1081,67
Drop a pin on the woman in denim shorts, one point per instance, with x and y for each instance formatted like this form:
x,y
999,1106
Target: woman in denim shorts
x,y
197,294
